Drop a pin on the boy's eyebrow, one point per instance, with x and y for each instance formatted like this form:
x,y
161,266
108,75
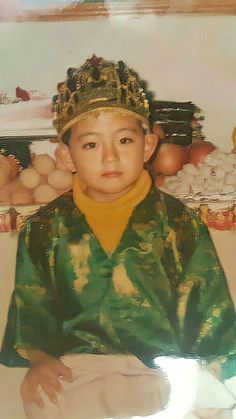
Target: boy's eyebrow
x,y
118,131
125,129
87,134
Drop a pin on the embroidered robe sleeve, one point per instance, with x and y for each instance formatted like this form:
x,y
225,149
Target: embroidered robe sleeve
x,y
205,310
33,315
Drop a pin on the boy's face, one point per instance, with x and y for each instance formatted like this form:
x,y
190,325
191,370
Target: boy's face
x,y
108,153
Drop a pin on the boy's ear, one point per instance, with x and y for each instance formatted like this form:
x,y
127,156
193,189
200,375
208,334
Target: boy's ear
x,y
150,143
63,158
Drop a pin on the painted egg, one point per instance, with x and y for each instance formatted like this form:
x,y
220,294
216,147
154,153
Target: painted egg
x,y
29,178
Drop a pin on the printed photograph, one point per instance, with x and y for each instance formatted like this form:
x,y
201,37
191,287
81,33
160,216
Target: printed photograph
x,y
117,209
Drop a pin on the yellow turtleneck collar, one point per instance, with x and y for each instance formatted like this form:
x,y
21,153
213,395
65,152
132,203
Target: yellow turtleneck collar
x,y
108,220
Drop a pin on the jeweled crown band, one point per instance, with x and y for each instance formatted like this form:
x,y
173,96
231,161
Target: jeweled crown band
x,y
98,84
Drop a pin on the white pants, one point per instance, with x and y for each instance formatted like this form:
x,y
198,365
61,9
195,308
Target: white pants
x,y
121,386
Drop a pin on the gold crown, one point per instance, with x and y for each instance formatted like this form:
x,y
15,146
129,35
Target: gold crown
x,y
98,84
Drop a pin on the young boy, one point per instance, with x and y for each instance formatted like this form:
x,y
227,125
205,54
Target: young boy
x,y
114,272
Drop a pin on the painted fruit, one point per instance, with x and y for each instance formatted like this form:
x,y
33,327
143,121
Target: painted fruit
x,y
170,159
198,150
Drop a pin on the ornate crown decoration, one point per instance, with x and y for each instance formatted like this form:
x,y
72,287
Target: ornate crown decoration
x,y
98,84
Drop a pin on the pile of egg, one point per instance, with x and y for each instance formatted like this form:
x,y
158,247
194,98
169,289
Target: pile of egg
x,y
214,177
39,184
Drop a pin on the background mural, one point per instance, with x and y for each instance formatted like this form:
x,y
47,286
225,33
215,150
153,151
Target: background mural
x,y
185,50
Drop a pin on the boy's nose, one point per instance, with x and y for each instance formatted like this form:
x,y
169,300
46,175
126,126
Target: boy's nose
x,y
110,154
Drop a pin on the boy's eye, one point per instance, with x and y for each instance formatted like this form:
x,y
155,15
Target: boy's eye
x,y
125,140
90,145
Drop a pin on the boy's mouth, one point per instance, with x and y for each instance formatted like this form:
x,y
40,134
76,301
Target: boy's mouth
x,y
112,174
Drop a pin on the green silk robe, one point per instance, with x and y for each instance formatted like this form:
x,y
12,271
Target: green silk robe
x,y
161,292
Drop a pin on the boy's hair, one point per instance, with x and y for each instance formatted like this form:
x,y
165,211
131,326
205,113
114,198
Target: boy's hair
x,y
99,85
66,136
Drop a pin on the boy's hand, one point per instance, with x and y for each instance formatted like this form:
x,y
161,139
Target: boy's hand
x,y
46,373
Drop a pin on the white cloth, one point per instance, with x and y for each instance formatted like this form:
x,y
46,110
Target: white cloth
x,y
121,386
107,386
